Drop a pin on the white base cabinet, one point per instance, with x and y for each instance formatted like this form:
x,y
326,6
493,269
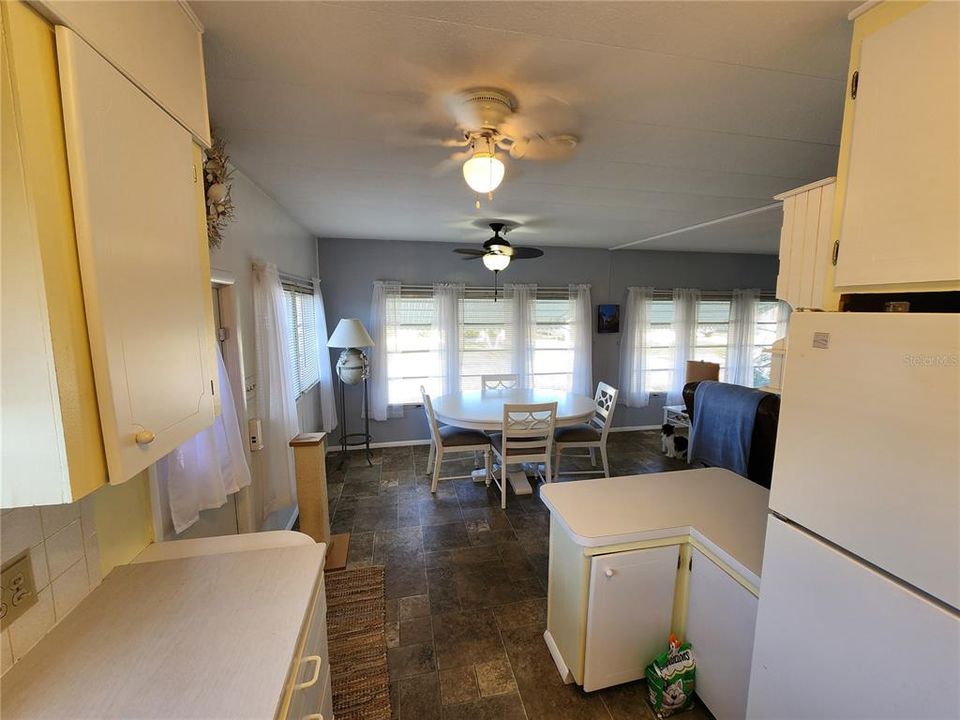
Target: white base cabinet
x,y
629,613
721,615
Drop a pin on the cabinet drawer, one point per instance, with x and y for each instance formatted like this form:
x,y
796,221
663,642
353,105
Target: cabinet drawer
x,y
310,685
629,613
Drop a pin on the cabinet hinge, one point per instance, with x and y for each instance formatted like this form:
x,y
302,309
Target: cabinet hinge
x,y
194,174
212,392
690,566
678,562
222,334
836,252
854,84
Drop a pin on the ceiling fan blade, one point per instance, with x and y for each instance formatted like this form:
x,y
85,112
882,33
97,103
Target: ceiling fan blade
x,y
556,147
474,257
471,251
451,163
464,113
526,253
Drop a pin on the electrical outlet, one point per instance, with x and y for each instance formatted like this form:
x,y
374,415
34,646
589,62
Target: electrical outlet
x,y
19,590
255,428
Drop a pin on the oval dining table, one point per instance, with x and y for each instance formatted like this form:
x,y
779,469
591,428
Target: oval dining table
x,y
478,410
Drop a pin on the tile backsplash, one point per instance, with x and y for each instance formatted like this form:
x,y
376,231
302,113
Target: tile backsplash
x,y
65,559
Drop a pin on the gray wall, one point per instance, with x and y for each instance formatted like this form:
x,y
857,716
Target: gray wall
x,y
349,267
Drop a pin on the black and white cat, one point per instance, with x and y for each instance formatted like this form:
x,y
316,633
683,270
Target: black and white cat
x,y
673,445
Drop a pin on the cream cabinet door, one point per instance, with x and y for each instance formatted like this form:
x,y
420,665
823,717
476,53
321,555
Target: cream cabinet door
x,y
630,609
721,615
134,194
901,214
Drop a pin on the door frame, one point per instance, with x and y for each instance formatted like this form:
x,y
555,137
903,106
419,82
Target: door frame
x,y
232,349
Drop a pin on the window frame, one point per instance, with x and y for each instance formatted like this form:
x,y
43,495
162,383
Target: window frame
x,y
295,296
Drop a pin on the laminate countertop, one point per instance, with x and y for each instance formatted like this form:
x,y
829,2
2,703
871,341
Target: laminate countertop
x,y
200,637
722,510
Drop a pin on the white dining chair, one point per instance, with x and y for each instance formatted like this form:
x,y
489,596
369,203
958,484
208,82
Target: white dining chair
x,y
451,439
527,437
492,383
591,435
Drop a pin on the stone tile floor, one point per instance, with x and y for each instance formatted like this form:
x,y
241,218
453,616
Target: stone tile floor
x,y
466,586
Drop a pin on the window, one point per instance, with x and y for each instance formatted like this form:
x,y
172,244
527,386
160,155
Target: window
x,y
302,339
771,314
413,358
485,342
710,339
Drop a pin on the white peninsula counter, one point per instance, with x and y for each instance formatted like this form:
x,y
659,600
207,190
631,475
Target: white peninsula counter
x,y
635,558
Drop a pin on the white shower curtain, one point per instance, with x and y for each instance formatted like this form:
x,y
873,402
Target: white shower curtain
x,y
446,325
328,403
209,466
685,332
582,339
383,310
743,315
276,402
524,323
633,347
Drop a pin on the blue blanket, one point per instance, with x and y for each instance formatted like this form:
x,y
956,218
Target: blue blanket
x,y
722,428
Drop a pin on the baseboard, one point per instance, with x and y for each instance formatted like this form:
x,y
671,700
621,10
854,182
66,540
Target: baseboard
x,y
333,448
634,428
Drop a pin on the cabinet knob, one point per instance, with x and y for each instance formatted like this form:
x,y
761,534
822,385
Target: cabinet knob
x,y
145,437
608,572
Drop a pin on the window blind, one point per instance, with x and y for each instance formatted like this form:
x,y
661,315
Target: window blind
x,y
302,341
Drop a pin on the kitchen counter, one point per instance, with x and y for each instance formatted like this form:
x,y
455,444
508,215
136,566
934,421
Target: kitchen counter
x,y
721,510
213,636
635,558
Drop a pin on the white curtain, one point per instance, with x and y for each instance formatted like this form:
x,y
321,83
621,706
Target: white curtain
x,y
276,401
383,310
523,325
582,340
633,347
328,403
685,332
446,326
209,466
743,317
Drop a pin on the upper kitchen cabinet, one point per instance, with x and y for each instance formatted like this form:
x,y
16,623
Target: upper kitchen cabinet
x,y
52,449
898,195
806,248
156,45
134,176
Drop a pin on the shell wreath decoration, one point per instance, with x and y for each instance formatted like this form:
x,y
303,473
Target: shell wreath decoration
x,y
216,185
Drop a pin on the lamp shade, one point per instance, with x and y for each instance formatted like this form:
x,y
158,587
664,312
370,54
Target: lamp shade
x,y
483,172
350,333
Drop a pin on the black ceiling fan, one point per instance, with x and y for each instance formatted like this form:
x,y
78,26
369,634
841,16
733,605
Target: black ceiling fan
x,y
497,248
497,252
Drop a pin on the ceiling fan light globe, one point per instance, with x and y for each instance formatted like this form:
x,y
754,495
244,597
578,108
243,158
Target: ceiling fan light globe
x,y
483,172
496,261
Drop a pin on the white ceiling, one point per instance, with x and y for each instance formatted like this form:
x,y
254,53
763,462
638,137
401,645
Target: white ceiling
x,y
687,111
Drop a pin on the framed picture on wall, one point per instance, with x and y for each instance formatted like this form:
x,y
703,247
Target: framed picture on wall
x,y
608,318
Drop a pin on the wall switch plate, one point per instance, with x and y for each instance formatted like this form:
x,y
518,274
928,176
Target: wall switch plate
x,y
19,590
255,430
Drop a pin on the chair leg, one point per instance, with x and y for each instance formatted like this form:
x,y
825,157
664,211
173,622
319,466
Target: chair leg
x,y
436,470
593,457
556,462
603,456
430,457
548,470
488,465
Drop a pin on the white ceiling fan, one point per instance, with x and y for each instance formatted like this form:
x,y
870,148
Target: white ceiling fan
x,y
489,120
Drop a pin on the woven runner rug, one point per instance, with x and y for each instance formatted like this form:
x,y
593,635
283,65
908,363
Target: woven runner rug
x,y
357,644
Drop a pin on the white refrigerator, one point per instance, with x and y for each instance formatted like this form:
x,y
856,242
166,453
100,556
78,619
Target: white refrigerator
x,y
860,587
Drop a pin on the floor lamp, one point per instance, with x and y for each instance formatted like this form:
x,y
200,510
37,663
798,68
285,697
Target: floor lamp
x,y
352,369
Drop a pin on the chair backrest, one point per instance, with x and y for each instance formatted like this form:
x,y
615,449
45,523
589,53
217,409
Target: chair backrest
x,y
492,383
431,418
528,429
606,400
